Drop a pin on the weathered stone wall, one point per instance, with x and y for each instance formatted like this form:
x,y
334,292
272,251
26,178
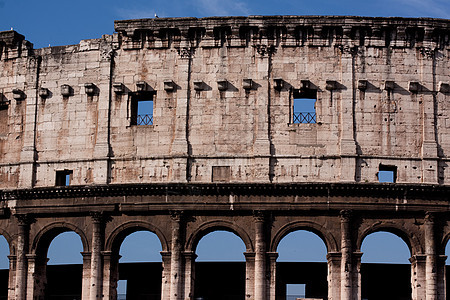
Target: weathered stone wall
x,y
382,93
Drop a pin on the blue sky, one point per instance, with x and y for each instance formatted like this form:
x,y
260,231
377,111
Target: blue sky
x,y
67,22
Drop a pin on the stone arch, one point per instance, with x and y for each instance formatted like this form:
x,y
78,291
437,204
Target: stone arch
x,y
211,226
119,234
411,240
443,244
319,230
10,240
45,236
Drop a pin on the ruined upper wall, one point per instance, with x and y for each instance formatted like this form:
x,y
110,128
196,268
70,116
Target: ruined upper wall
x,y
223,93
284,31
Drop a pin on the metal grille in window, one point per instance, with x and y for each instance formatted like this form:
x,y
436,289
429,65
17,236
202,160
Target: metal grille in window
x,y
304,118
146,119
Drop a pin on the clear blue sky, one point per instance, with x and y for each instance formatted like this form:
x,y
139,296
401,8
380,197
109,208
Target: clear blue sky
x,y
67,22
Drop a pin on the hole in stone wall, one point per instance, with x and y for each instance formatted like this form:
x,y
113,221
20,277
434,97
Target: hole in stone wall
x,y
304,107
142,109
387,173
63,177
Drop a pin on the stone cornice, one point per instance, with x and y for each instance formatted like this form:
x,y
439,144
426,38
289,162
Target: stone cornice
x,y
403,191
284,31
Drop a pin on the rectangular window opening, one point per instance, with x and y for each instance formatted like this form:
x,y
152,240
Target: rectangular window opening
x,y
294,291
63,177
387,173
142,109
304,107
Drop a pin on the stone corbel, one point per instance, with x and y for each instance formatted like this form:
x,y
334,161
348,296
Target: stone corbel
x,y
444,87
414,87
278,83
222,84
247,84
66,90
118,87
44,93
198,85
18,94
388,85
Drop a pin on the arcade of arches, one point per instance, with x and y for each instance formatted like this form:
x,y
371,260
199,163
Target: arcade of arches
x,y
179,276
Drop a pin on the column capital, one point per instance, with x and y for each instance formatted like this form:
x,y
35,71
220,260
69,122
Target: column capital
x,y
14,257
346,215
249,255
189,254
418,258
430,217
176,215
100,217
259,216
334,256
25,219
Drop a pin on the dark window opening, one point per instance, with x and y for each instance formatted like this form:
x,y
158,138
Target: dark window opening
x,y
387,173
142,109
3,119
63,178
304,107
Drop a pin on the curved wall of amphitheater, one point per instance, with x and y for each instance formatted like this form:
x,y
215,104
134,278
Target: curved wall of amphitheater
x,y
224,146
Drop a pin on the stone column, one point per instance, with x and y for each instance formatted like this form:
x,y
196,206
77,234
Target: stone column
x,y
442,281
34,289
85,284
175,258
165,276
334,275
260,257
346,261
249,278
98,224
11,277
110,274
431,263
189,275
273,274
418,276
356,278
22,250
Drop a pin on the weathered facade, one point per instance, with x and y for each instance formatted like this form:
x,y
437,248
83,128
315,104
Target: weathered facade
x,y
223,146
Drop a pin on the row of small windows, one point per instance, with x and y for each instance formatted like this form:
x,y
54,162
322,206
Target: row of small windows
x,y
304,108
386,174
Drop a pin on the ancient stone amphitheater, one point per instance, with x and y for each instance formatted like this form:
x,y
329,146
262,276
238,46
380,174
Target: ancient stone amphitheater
x,y
260,126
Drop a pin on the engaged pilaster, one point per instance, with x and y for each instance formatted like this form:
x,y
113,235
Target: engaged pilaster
x,y
431,258
21,260
99,220
175,261
260,256
346,252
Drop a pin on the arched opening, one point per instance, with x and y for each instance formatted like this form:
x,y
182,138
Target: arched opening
x,y
140,267
4,267
301,267
64,267
220,267
385,268
447,269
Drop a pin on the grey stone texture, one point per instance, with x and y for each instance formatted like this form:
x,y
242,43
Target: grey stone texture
x,y
223,150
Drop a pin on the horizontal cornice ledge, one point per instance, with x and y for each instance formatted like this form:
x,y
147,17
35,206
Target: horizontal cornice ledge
x,y
370,190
